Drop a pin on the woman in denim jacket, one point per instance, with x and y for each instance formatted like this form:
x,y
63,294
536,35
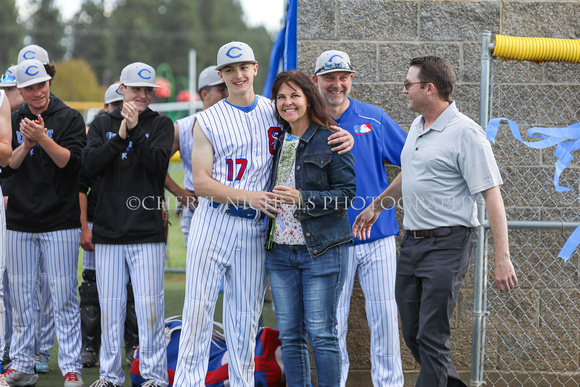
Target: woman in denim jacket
x,y
307,241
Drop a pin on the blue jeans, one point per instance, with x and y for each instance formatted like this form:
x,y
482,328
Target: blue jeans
x,y
306,292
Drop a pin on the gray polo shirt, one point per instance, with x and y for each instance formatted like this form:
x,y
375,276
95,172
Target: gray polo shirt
x,y
443,168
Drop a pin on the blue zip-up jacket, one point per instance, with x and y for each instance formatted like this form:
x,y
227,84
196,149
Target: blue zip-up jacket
x,y
326,181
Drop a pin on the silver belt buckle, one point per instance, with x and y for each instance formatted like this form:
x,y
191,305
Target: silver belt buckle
x,y
416,236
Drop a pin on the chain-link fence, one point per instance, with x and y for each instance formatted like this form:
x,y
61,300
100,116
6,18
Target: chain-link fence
x,y
531,336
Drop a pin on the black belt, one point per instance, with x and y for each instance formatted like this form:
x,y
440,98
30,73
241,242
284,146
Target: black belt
x,y
441,231
246,213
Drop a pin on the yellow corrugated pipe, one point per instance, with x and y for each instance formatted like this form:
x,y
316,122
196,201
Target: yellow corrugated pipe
x,y
175,158
537,49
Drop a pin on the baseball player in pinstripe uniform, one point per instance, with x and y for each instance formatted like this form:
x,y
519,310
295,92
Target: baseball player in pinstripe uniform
x,y
8,84
378,139
211,89
127,154
89,297
14,98
5,156
42,219
233,147
44,341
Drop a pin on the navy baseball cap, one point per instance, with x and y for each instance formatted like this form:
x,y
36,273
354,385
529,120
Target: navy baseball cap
x,y
138,74
234,52
30,72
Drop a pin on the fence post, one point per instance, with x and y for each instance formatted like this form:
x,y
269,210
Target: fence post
x,y
478,343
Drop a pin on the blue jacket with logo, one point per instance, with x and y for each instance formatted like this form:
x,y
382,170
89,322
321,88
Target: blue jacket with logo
x,y
326,181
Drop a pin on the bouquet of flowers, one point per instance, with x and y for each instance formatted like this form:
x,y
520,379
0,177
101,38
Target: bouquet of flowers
x,y
285,168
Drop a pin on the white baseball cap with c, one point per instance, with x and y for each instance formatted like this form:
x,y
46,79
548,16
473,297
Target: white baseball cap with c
x,y
8,79
331,61
209,77
112,94
30,72
33,51
234,52
138,74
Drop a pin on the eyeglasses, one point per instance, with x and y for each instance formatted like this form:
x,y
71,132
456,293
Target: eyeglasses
x,y
407,84
7,78
335,66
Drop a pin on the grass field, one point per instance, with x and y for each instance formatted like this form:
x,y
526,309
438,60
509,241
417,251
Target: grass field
x,y
174,295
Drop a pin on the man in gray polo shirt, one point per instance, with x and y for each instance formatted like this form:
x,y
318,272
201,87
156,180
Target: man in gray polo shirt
x,y
445,163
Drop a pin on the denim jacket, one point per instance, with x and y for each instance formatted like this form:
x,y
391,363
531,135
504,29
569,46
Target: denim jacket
x,y
326,182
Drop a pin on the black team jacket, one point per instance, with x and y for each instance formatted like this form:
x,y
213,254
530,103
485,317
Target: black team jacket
x,y
130,176
44,197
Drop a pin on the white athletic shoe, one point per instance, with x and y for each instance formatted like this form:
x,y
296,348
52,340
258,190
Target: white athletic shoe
x,y
19,379
73,379
103,383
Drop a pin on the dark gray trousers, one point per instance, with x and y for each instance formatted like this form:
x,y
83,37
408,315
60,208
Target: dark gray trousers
x,y
429,274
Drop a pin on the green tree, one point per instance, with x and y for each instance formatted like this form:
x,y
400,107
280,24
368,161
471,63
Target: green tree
x,y
92,40
11,34
80,83
155,32
46,28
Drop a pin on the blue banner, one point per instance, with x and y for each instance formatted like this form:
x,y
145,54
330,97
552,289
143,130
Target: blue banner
x,y
284,48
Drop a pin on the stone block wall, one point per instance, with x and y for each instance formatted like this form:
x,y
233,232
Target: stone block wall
x,y
381,37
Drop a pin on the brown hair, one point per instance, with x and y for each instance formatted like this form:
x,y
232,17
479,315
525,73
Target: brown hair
x,y
436,70
50,69
317,109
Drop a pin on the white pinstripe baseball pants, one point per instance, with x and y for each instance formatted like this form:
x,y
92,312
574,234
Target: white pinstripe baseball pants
x,y
60,251
222,245
2,274
185,223
45,330
89,256
376,265
144,263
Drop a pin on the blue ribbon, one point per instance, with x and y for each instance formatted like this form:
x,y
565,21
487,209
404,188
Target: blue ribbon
x,y
548,137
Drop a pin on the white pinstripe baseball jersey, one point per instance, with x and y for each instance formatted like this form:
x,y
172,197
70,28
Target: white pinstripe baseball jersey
x,y
220,245
185,126
242,153
2,265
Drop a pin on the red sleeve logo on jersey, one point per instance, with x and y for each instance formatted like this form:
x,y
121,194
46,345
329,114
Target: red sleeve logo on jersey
x,y
273,134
